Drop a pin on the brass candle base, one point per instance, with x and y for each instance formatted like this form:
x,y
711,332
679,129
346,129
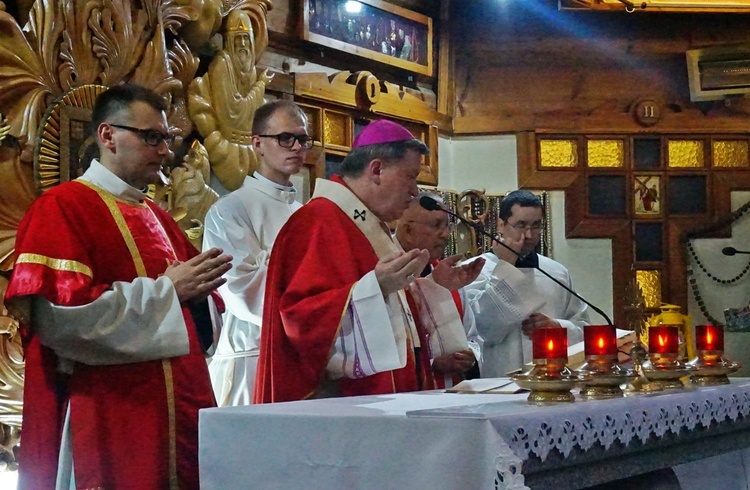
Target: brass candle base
x,y
604,378
641,384
550,382
712,369
667,370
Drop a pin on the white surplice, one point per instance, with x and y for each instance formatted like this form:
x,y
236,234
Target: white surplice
x,y
244,224
504,295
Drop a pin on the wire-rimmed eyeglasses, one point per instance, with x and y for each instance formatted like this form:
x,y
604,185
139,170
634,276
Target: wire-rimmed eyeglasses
x,y
523,227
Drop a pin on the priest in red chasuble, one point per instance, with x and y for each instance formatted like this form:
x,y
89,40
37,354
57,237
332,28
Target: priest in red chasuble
x,y
336,318
112,300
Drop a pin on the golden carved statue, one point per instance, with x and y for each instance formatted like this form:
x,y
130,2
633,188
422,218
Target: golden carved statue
x,y
11,388
191,195
222,103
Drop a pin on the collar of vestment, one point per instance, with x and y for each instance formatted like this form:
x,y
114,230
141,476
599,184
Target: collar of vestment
x,y
336,191
270,188
530,261
102,177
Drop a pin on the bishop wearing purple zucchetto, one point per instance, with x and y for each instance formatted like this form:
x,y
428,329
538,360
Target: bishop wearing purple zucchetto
x,y
336,319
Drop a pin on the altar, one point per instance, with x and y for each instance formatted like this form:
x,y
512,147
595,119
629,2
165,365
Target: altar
x,y
478,441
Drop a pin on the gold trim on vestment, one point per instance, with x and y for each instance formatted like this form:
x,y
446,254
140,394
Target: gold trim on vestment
x,y
169,384
111,202
55,264
166,235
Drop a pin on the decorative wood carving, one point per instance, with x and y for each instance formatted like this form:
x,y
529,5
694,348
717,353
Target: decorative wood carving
x,y
190,194
223,102
392,100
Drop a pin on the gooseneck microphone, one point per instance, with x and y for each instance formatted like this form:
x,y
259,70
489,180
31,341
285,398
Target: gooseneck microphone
x,y
432,205
725,250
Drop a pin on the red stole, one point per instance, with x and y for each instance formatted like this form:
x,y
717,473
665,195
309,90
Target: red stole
x,y
132,425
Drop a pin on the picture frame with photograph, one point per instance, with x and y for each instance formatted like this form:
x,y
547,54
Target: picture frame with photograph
x,y
373,29
647,195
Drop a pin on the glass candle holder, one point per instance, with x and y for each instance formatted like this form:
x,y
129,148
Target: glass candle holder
x,y
663,340
550,344
709,339
600,342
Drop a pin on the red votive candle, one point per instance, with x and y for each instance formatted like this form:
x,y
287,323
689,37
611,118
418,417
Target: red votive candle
x,y
600,340
663,339
550,343
709,337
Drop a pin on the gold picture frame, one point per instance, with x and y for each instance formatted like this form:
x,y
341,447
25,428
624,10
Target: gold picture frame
x,y
373,29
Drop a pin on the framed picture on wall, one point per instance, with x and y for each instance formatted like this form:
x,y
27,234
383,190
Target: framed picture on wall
x,y
374,29
646,195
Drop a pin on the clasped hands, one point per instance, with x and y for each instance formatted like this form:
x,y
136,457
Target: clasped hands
x,y
196,278
455,363
396,271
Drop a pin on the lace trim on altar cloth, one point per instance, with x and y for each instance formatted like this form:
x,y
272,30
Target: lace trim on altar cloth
x,y
583,425
509,476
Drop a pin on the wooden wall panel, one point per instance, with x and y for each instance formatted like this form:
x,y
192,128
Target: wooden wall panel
x,y
536,68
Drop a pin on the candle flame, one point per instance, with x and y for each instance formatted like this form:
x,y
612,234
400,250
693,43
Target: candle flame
x,y
709,337
550,345
662,340
601,342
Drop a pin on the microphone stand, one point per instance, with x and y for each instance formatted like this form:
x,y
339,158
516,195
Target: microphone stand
x,y
437,207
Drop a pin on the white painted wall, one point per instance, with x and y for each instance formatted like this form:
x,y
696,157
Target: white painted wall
x,y
718,297
490,163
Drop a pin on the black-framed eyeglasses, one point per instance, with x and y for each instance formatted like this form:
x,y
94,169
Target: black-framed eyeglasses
x,y
151,137
286,140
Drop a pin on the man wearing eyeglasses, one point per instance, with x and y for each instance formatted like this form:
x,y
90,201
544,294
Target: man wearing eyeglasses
x,y
510,298
245,223
112,297
444,319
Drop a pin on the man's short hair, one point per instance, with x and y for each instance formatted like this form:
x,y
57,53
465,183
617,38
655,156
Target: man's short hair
x,y
356,161
521,197
120,97
265,112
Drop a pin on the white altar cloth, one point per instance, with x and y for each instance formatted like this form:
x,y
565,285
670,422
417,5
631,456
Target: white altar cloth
x,y
434,439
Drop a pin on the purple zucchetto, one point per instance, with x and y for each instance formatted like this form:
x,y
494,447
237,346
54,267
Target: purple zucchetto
x,y
382,131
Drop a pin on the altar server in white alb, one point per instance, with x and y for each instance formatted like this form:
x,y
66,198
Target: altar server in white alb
x,y
511,298
245,224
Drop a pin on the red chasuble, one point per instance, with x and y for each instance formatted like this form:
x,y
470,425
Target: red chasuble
x,y
133,425
317,258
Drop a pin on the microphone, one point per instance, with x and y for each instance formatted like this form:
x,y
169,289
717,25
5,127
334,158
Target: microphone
x,y
725,250
430,204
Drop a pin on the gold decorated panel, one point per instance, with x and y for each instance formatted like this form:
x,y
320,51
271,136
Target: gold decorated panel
x,y
650,283
685,154
558,153
336,128
730,154
606,153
